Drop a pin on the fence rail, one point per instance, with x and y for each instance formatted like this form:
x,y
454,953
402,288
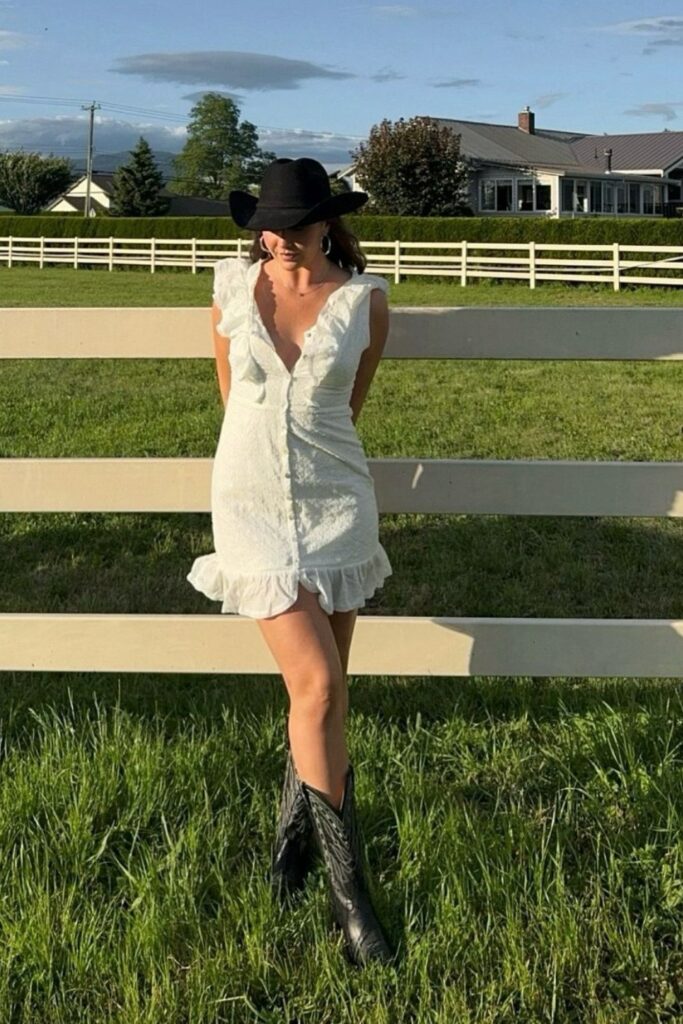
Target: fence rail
x,y
389,645
614,264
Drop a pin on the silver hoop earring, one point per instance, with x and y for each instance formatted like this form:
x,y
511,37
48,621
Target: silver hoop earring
x,y
264,248
329,244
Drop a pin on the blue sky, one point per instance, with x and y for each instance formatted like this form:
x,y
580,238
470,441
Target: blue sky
x,y
315,76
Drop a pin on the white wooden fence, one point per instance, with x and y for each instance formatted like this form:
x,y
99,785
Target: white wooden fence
x,y
613,264
393,645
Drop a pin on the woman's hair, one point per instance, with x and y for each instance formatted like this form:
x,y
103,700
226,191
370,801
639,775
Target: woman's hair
x,y
345,249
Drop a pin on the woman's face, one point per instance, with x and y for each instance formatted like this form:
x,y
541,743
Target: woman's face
x,y
294,247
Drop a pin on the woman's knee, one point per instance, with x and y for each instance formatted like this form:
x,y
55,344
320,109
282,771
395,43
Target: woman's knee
x,y
319,696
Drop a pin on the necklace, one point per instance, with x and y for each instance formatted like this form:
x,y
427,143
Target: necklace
x,y
295,291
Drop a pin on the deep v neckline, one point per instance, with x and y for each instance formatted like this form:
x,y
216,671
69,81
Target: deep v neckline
x,y
309,330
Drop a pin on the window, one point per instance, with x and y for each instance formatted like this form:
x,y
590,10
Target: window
x,y
608,197
525,194
542,197
648,199
568,194
633,197
504,194
581,197
496,194
596,197
658,199
488,194
621,199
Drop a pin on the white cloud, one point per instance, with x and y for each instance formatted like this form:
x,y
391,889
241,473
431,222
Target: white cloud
x,y
646,26
409,11
664,31
396,10
548,98
65,135
12,40
386,74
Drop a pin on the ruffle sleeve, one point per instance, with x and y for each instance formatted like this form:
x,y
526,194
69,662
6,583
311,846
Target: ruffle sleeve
x,y
229,293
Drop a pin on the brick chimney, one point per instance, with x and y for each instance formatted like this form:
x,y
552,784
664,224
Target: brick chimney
x,y
525,120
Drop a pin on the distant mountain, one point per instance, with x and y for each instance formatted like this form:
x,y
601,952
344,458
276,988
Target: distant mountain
x,y
110,161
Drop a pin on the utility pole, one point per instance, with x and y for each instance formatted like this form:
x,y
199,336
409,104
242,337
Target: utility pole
x,y
88,165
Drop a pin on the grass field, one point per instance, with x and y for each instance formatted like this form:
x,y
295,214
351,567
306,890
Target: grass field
x,y
524,835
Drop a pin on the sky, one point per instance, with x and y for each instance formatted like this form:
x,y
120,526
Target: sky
x,y
314,77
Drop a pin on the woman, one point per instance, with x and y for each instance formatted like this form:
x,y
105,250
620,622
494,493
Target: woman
x,y
299,330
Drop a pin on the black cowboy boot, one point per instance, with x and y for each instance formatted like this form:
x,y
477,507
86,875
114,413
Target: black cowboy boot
x,y
339,842
294,848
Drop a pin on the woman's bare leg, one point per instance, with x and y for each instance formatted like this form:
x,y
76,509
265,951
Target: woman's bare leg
x,y
305,642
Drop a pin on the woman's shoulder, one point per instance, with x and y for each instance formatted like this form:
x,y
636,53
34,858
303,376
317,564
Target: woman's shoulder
x,y
228,274
373,281
230,265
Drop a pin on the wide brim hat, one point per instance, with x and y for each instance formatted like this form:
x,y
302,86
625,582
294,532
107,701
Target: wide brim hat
x,y
293,193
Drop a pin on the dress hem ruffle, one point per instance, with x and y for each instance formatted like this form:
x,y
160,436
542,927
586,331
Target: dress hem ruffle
x,y
261,595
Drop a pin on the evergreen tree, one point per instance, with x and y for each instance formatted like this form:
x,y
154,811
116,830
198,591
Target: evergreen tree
x,y
137,186
413,168
220,153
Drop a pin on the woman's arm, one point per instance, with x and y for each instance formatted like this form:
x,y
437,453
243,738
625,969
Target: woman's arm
x,y
221,347
369,360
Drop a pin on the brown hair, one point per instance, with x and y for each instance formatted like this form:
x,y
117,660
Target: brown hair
x,y
345,249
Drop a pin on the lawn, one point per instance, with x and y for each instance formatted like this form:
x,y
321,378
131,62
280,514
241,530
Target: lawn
x,y
523,833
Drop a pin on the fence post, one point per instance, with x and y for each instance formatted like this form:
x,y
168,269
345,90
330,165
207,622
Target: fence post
x,y
239,247
42,251
111,252
9,251
532,264
463,263
76,252
194,255
397,261
152,254
615,266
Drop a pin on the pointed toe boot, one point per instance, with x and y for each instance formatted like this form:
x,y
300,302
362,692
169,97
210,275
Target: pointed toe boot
x,y
294,850
339,843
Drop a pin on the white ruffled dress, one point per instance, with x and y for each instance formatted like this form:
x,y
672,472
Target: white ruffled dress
x,y
292,499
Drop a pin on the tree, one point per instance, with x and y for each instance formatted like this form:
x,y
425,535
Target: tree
x,y
28,181
220,153
136,186
413,168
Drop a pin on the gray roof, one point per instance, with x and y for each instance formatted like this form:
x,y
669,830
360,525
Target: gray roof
x,y
643,151
503,143
180,205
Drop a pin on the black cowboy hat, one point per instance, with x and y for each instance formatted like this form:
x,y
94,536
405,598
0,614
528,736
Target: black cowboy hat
x,y
293,193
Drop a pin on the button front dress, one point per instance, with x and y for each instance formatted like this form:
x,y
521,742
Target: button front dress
x,y
292,499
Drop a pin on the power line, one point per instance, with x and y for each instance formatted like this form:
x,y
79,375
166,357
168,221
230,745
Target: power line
x,y
170,118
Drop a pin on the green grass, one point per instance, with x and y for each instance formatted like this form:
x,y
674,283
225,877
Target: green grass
x,y
523,834
30,286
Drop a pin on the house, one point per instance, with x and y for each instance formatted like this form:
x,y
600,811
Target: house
x,y
101,189
526,171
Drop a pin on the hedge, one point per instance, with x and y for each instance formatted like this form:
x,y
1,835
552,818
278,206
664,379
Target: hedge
x,y
367,227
